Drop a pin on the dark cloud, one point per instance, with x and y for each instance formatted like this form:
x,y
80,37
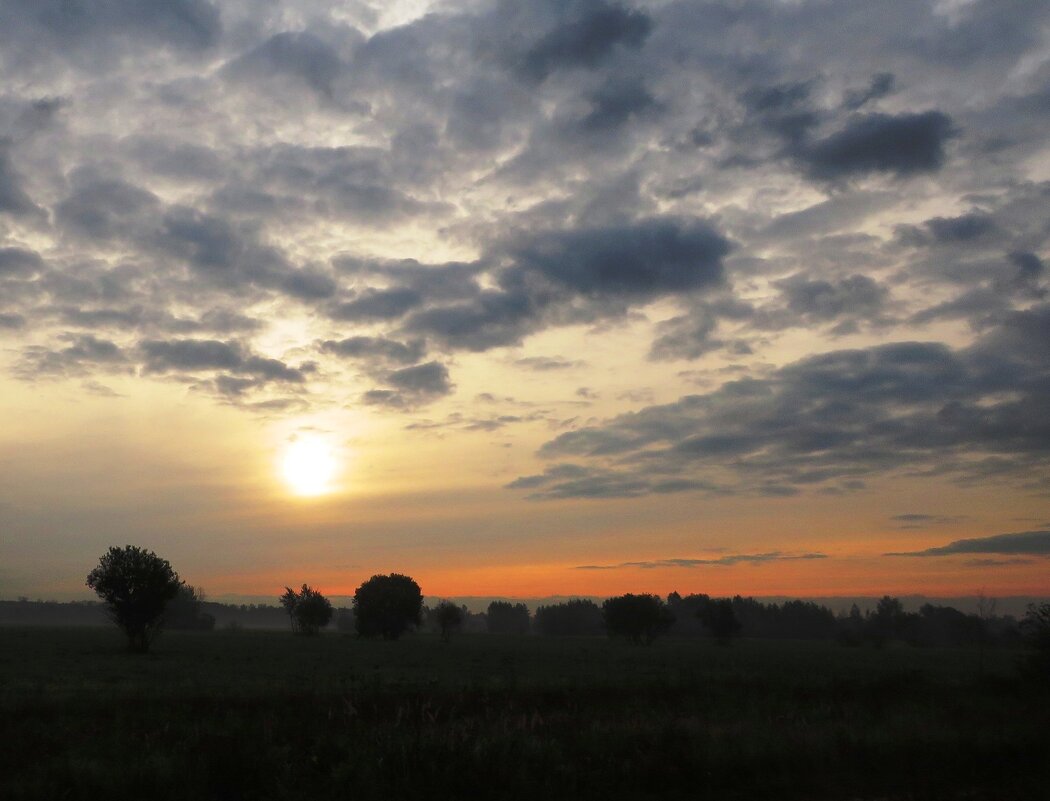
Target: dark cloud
x,y
1032,543
412,386
836,417
722,561
378,304
105,208
84,353
648,258
19,262
376,349
902,145
197,355
300,56
60,25
543,364
13,198
853,297
882,84
965,228
586,34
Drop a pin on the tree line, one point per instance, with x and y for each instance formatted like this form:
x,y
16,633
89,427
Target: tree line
x,y
142,593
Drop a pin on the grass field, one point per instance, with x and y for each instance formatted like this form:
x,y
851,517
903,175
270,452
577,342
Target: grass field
x,y
266,715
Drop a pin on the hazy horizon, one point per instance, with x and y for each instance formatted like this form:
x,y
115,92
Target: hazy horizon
x,y
574,296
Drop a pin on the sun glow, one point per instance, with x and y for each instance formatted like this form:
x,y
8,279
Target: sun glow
x,y
309,466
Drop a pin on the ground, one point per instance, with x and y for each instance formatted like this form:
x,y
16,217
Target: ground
x,y
269,715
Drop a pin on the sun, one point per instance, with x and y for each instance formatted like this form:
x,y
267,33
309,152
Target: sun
x,y
309,466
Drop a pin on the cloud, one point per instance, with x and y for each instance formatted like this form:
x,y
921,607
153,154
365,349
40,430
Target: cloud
x,y
197,355
376,348
902,145
299,56
831,419
585,36
412,386
1032,543
83,353
722,561
13,198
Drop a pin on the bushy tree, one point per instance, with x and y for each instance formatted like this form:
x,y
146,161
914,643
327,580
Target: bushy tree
x,y
186,611
1035,628
308,609
575,617
639,618
387,606
136,586
448,619
504,617
720,620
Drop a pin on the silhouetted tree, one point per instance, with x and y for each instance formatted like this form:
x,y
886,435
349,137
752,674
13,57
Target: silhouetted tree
x,y
578,616
504,617
186,611
639,618
308,609
448,619
1035,628
135,585
387,606
720,620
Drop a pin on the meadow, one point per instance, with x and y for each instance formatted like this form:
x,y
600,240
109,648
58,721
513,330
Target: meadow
x,y
269,715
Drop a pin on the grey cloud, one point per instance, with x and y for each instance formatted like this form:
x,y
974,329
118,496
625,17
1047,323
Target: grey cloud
x,y
586,34
300,56
543,364
1033,543
855,296
83,353
647,258
378,304
837,417
376,348
101,208
19,262
12,321
722,561
964,228
189,24
196,355
412,386
903,144
13,198
882,84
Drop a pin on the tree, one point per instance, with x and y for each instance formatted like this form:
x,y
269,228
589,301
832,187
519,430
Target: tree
x,y
504,617
136,585
186,611
720,620
449,619
308,609
639,618
580,616
387,606
1036,631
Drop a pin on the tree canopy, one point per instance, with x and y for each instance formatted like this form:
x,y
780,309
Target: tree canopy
x,y
387,606
308,609
639,618
136,586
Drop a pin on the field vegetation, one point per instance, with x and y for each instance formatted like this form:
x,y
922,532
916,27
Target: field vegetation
x,y
266,715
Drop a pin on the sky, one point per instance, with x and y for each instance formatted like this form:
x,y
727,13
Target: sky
x,y
522,299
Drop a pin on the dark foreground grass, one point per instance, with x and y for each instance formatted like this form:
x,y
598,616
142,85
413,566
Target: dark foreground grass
x,y
265,715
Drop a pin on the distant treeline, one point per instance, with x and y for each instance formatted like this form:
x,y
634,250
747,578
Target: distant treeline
x,y
691,615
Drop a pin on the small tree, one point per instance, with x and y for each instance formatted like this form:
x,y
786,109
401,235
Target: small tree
x,y
308,609
449,619
504,617
720,619
387,606
1036,631
186,611
639,618
135,585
